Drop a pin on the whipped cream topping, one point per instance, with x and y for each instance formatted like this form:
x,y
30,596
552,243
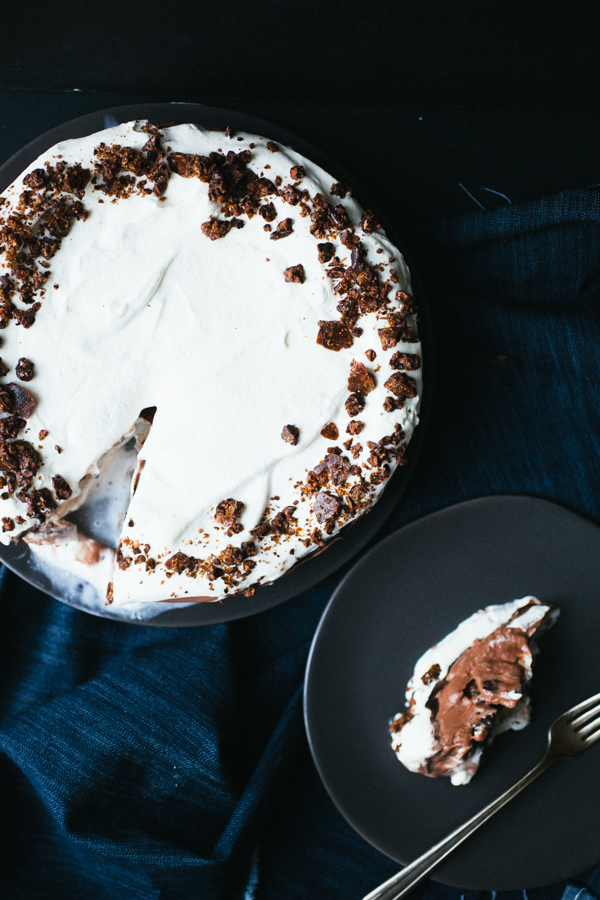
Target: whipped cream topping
x,y
415,737
143,309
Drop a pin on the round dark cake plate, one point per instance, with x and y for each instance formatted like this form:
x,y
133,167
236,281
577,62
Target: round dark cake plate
x,y
310,571
402,597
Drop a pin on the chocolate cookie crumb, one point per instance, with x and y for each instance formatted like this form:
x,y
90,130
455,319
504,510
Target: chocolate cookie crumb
x,y
403,386
7,524
179,562
360,379
227,512
432,674
268,212
355,404
370,354
23,403
410,361
295,274
43,434
62,488
334,336
283,230
272,146
410,336
326,507
4,369
297,172
57,448
131,523
41,503
215,228
291,434
354,427
326,251
109,593
388,337
340,190
330,432
369,221
24,369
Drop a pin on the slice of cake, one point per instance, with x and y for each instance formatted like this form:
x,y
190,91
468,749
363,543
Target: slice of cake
x,y
221,298
468,688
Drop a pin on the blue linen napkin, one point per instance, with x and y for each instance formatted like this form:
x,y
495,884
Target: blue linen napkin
x,y
164,763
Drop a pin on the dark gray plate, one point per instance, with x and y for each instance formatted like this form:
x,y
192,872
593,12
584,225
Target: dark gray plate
x,y
311,570
409,592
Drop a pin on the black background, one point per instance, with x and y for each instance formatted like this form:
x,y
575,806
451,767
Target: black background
x,y
413,96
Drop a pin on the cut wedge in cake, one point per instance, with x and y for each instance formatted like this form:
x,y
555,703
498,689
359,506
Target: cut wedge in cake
x,y
468,688
221,299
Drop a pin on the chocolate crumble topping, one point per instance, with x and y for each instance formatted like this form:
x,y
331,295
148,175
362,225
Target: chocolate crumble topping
x,y
410,336
291,195
370,354
62,488
410,361
334,336
7,524
431,674
340,190
355,404
179,563
297,172
326,508
120,167
4,369
237,189
24,369
291,434
40,503
326,251
215,228
272,146
360,379
16,399
268,212
283,230
369,221
401,385
330,432
295,274
354,427
226,514
388,337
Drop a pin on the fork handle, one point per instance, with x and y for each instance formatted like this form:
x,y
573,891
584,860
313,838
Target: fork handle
x,y
399,885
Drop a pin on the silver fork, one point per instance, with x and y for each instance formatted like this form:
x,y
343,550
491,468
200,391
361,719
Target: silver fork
x,y
572,733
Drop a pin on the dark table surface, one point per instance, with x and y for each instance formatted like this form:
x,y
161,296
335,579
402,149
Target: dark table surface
x,y
423,101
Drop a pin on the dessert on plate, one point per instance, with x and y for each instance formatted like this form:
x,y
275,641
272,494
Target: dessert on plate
x,y
469,687
217,297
